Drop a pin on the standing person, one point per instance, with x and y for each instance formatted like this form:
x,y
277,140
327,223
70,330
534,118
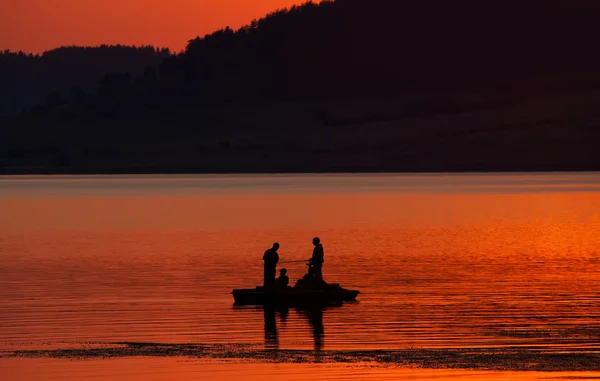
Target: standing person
x,y
317,258
271,258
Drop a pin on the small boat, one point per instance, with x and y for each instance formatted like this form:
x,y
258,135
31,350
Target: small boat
x,y
330,293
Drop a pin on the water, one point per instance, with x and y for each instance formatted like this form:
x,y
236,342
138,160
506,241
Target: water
x,y
488,272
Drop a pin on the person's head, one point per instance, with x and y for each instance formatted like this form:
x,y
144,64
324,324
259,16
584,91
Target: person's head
x,y
282,271
275,246
316,241
311,270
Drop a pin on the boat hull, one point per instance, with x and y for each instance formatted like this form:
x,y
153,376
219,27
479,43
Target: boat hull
x,y
293,297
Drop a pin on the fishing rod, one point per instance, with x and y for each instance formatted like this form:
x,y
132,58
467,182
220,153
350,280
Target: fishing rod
x,y
286,262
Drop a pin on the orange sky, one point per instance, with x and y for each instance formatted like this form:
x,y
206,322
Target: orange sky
x,y
38,25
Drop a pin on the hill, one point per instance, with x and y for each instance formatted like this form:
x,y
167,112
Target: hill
x,y
28,79
345,85
363,48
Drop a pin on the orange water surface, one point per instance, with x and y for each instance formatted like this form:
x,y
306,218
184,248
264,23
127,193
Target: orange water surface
x,y
443,262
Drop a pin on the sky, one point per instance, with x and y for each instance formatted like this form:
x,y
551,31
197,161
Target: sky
x,y
34,26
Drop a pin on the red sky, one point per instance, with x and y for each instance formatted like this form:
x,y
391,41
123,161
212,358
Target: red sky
x,y
38,25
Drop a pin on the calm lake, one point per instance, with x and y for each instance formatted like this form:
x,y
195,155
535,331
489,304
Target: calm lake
x,y
482,272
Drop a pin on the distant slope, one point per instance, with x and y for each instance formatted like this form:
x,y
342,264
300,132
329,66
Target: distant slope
x,y
26,80
342,49
377,47
345,85
560,133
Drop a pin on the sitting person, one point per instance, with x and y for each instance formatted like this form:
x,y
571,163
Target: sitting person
x,y
283,281
308,280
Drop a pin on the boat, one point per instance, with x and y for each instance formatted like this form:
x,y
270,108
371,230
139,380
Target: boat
x,y
291,296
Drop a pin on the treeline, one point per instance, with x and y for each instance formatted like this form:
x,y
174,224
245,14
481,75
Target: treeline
x,y
379,47
53,77
343,48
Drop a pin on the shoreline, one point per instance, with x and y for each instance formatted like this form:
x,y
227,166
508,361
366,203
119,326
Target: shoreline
x,y
482,359
358,171
166,369
557,134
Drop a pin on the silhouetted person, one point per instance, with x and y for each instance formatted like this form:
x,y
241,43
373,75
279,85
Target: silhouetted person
x,y
271,258
283,281
317,258
307,281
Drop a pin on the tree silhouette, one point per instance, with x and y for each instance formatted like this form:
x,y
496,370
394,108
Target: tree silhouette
x,y
339,49
372,48
27,79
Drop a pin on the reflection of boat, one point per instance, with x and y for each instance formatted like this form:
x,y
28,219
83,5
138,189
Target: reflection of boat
x,y
330,293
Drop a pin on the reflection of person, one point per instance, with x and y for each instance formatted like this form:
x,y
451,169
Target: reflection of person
x,y
283,281
315,319
271,258
271,337
271,334
317,258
